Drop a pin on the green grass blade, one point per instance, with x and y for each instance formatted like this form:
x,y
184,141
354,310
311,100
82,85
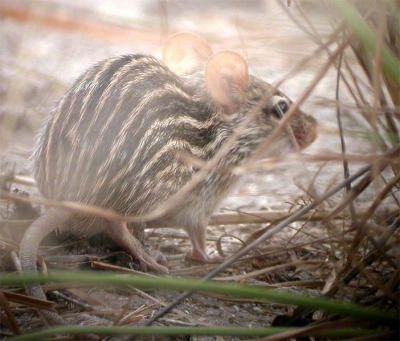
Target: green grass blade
x,y
143,282
390,64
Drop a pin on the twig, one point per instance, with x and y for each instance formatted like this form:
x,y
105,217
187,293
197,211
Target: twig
x,y
10,316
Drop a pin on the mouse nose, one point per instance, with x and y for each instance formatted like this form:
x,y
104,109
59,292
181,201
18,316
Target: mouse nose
x,y
307,132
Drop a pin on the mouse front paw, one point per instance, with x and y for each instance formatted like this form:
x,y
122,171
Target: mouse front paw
x,y
202,257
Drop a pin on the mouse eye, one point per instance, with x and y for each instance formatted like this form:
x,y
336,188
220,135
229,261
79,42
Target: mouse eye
x,y
280,108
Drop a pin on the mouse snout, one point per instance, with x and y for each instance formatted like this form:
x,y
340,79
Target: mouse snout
x,y
305,130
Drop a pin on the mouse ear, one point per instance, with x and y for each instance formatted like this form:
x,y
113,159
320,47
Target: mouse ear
x,y
185,51
227,79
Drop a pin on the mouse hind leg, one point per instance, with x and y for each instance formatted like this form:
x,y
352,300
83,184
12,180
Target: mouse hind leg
x,y
120,234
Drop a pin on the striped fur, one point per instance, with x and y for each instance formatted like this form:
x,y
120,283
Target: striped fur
x,y
114,138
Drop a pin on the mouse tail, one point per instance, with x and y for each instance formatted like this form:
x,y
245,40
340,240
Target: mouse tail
x,y
40,228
